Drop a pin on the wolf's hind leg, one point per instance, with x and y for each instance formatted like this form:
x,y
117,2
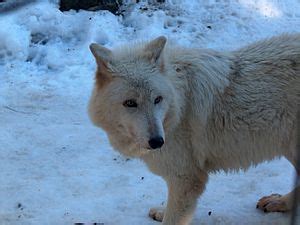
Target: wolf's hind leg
x,y
279,203
276,203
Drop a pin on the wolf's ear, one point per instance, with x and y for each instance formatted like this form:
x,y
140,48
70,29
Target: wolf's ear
x,y
102,55
154,48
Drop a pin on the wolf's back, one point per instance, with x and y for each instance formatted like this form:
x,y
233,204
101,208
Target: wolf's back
x,y
265,82
274,61
275,49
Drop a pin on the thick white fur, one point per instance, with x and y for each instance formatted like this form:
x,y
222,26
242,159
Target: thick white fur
x,y
221,111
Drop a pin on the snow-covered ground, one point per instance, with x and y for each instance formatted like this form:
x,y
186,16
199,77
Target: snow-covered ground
x,y
56,168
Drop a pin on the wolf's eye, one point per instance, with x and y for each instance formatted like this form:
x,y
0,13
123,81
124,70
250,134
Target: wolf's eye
x,y
158,100
130,103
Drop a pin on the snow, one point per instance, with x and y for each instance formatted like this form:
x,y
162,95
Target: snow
x,y
57,168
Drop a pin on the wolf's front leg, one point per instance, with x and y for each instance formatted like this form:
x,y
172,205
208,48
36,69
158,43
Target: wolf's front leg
x,y
182,198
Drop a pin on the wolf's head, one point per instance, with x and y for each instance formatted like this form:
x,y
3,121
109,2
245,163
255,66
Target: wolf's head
x,y
133,100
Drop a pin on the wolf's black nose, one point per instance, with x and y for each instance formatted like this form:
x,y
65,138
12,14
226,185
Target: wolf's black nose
x,y
156,142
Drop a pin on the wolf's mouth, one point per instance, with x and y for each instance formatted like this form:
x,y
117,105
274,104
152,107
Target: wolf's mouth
x,y
148,150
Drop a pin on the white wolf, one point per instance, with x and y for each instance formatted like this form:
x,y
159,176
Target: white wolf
x,y
187,112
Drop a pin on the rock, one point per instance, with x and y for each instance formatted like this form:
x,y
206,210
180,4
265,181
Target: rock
x,y
91,5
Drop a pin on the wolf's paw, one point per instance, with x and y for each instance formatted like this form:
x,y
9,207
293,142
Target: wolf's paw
x,y
272,203
157,214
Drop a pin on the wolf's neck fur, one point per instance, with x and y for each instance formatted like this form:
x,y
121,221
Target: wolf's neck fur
x,y
205,73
